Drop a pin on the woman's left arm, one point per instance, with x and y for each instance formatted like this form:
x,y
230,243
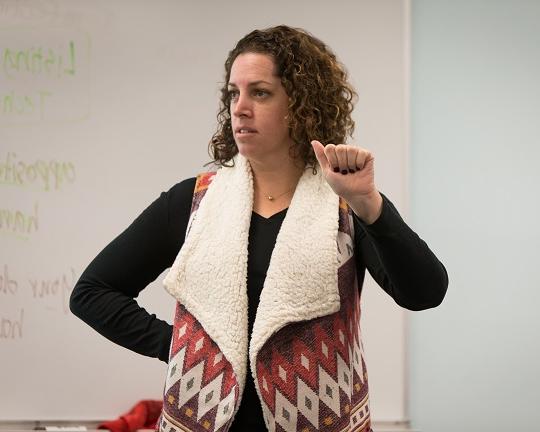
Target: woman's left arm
x,y
399,260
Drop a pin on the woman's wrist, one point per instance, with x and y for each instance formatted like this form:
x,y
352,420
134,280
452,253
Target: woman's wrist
x,y
367,207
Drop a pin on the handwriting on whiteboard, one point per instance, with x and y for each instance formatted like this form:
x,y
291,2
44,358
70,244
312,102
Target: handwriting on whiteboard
x,y
11,327
8,285
38,60
19,222
34,293
55,290
30,103
44,74
28,10
48,175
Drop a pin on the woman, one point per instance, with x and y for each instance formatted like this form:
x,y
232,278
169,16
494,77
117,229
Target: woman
x,y
285,212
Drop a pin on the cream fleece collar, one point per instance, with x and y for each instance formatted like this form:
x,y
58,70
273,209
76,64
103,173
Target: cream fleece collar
x,y
209,274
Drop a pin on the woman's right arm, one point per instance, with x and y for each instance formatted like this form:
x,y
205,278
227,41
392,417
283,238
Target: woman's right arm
x,y
104,296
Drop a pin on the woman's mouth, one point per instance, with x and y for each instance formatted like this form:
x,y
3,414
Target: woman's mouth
x,y
244,131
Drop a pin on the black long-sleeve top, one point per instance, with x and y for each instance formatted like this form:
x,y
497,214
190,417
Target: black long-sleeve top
x,y
104,297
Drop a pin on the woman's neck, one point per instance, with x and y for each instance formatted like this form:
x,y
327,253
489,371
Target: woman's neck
x,y
278,179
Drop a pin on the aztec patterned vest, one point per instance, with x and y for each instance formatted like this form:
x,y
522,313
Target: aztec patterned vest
x,y
310,375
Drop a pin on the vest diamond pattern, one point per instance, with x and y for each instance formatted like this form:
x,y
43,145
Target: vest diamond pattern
x,y
200,388
312,375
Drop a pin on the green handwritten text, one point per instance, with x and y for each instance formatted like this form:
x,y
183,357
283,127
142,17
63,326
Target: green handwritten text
x,y
18,222
50,174
38,61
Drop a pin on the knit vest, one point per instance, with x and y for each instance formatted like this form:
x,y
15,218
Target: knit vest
x,y
309,375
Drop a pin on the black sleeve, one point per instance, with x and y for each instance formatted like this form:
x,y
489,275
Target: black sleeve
x,y
400,261
104,295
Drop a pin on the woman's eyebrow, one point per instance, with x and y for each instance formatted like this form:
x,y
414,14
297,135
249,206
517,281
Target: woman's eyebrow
x,y
254,83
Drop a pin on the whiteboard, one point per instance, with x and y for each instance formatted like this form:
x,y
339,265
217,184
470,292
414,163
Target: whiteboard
x,y
103,105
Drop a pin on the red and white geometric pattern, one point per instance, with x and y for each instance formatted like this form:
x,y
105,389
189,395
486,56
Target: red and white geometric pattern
x,y
321,384
200,388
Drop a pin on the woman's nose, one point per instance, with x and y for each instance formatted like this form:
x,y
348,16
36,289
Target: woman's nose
x,y
242,106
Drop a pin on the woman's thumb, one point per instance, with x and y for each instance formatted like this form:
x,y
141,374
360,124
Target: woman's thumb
x,y
318,148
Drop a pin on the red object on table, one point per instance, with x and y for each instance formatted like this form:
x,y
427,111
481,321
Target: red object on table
x,y
143,415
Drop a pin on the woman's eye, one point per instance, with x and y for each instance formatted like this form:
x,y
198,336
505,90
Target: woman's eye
x,y
234,94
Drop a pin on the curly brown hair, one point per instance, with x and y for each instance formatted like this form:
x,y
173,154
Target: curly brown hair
x,y
320,98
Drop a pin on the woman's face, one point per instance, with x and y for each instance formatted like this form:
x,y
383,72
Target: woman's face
x,y
259,107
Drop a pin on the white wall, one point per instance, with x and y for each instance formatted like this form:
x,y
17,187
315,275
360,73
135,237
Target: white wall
x,y
474,361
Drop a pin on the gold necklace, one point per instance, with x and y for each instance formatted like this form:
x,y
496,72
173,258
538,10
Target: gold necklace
x,y
272,198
